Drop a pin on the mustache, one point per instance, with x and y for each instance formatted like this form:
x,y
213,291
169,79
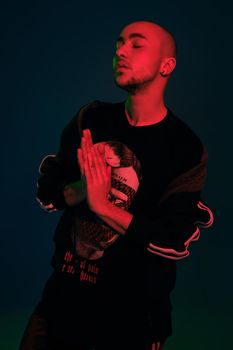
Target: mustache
x,y
119,62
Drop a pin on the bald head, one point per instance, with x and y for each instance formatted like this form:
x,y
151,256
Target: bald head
x,y
166,39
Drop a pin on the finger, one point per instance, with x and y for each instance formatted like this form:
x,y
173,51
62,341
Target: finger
x,y
92,166
99,162
87,171
101,149
88,139
85,148
100,154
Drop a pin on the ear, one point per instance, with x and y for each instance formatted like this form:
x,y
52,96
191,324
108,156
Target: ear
x,y
167,66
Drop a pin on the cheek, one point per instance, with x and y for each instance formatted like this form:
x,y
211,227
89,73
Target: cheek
x,y
141,60
143,64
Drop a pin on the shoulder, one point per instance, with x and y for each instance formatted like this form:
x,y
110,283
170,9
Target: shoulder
x,y
87,109
188,146
96,115
90,115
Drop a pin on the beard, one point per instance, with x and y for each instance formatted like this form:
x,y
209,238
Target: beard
x,y
133,85
132,88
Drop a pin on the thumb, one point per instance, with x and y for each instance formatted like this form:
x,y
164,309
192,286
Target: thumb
x,y
109,174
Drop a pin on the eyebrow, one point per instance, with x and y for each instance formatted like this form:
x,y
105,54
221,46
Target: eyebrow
x,y
132,35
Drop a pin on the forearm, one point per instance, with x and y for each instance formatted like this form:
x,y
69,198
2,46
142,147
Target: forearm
x,y
115,217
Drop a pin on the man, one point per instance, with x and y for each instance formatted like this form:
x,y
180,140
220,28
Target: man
x,y
128,177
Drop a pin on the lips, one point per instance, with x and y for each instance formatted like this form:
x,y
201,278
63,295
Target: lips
x,y
121,64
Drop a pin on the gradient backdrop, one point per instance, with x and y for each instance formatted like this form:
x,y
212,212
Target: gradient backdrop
x,y
56,56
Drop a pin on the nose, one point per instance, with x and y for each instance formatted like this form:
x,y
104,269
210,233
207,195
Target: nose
x,y
121,51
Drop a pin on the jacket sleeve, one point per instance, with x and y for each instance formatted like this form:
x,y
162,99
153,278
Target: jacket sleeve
x,y
50,184
178,219
58,170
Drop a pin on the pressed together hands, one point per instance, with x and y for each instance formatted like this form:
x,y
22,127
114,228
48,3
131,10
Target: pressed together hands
x,y
95,171
96,174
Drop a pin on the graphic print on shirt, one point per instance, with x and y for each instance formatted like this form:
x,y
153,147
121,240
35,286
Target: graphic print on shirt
x,y
87,270
91,235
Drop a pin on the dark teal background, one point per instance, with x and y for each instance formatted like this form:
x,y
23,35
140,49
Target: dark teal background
x,y
55,57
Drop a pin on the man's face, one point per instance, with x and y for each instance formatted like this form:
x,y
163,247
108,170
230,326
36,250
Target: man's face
x,y
138,56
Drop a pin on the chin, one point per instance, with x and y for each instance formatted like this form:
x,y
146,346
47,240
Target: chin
x,y
132,88
126,85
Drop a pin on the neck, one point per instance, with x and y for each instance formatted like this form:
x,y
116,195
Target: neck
x,y
145,107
